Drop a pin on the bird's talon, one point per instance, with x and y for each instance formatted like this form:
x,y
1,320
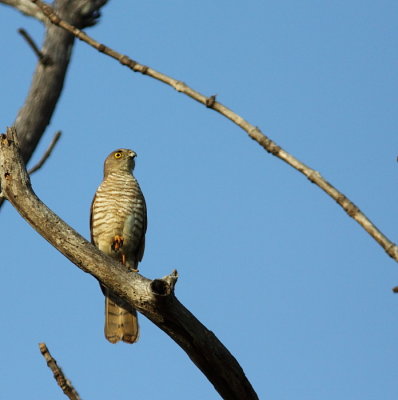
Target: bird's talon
x,y
117,242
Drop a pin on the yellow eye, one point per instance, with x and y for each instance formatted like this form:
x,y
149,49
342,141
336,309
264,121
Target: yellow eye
x,y
118,155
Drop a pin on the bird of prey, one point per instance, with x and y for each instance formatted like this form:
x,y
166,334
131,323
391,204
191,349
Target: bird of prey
x,y
118,224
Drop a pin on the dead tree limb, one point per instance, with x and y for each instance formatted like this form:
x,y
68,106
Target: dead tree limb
x,y
155,299
48,78
26,7
63,382
254,132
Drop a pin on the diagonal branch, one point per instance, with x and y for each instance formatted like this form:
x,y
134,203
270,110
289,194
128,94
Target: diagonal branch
x,y
43,59
155,299
63,382
254,132
46,154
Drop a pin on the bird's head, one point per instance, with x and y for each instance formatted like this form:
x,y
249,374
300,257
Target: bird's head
x,y
120,160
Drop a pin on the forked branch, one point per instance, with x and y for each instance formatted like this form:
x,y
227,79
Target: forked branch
x,y
254,132
48,78
155,299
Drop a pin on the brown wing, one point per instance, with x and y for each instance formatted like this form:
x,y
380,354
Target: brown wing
x,y
91,218
141,247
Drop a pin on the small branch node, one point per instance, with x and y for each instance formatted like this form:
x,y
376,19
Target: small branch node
x,y
392,250
48,11
352,209
275,149
255,130
55,19
180,86
171,279
144,70
313,176
165,286
210,101
174,273
124,60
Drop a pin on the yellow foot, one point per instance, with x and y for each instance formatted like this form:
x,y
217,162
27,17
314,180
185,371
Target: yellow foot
x,y
117,242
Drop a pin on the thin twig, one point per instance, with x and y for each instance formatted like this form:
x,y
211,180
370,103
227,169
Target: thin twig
x,y
42,58
31,42
254,132
63,382
47,153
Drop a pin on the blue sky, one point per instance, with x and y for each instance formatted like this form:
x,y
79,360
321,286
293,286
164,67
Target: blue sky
x,y
295,289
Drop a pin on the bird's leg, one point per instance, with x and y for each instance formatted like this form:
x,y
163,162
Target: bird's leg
x,y
117,242
123,261
133,269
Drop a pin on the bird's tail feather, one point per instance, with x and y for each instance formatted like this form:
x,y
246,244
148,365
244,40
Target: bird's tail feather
x,y
120,323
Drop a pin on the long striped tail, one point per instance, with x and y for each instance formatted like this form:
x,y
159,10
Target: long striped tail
x,y
120,323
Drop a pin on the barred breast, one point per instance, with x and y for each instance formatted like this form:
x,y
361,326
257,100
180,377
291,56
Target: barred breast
x,y
119,210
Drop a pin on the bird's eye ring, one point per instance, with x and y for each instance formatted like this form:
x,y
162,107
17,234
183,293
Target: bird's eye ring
x,y
118,155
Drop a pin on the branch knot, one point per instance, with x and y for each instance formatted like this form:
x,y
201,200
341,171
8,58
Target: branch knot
x,y
164,286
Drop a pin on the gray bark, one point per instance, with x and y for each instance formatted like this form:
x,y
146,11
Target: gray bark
x,y
48,78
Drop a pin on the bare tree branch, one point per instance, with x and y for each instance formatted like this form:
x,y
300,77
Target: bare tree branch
x,y
43,59
46,154
155,299
48,80
26,7
63,382
254,132
41,162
